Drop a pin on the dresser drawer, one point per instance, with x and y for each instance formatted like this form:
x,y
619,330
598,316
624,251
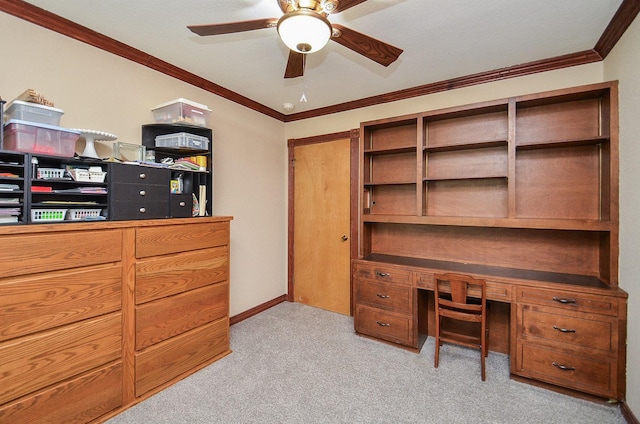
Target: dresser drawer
x,y
395,297
384,325
164,318
377,272
34,362
568,300
181,205
579,332
34,253
594,374
42,301
132,174
140,209
162,240
170,359
78,400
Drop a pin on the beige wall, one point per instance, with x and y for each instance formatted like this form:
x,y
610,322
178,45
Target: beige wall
x,y
623,64
100,91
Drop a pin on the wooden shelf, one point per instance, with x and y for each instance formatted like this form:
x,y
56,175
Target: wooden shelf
x,y
408,149
373,184
481,177
466,146
562,143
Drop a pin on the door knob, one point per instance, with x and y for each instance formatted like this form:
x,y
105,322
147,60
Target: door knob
x,y
344,237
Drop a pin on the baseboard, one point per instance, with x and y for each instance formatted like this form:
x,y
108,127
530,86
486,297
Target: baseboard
x,y
627,414
256,310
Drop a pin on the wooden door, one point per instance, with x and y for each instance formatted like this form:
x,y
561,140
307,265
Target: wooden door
x,y
321,230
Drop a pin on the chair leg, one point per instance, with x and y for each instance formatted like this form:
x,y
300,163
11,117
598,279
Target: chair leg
x,y
482,366
436,356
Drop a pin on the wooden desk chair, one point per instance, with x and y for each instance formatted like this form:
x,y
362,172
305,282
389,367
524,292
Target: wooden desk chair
x,y
461,313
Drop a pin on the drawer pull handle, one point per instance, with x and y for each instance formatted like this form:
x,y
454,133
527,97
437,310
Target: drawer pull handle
x,y
142,210
383,324
563,330
383,296
562,300
143,176
563,367
382,274
143,193
183,204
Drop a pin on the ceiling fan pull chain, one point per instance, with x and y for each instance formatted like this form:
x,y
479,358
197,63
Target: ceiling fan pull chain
x,y
303,98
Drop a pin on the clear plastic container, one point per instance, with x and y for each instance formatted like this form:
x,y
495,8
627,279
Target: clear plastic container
x,y
33,112
182,111
183,140
37,138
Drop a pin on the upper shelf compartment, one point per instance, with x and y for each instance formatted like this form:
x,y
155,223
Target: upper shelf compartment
x,y
571,119
484,126
397,135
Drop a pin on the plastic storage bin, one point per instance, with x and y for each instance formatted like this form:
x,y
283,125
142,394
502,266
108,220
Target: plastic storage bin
x,y
182,111
48,215
83,214
43,139
33,112
183,141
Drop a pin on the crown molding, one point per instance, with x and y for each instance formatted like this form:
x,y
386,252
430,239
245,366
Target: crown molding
x,y
623,17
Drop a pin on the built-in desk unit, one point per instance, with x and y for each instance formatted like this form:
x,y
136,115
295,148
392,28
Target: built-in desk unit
x,y
522,192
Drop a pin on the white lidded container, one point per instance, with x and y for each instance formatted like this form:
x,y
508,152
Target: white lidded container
x,y
33,112
182,111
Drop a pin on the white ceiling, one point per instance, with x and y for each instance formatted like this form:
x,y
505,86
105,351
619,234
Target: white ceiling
x,y
441,40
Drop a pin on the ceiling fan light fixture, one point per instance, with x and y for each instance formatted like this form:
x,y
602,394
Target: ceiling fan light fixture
x,y
304,31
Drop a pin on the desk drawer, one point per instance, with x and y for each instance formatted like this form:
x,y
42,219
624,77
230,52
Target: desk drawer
x,y
594,374
578,332
392,297
377,272
384,325
568,300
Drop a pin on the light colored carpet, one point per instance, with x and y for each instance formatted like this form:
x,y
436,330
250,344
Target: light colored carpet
x,y
298,364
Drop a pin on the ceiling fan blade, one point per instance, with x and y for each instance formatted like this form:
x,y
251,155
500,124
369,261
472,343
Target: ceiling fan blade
x,y
376,50
346,4
295,65
231,27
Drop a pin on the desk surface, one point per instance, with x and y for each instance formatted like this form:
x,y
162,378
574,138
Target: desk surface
x,y
511,273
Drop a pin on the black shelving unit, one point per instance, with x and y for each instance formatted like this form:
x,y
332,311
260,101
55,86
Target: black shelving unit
x,y
192,180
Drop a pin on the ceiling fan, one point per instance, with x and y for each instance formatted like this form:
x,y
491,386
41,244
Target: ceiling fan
x,y
305,29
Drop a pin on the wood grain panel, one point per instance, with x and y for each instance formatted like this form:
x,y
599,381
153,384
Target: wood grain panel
x,y
385,325
472,163
79,400
166,239
393,168
392,297
467,129
558,121
393,200
34,362
469,198
578,332
589,374
167,360
391,137
560,183
568,300
169,275
164,318
568,252
33,253
43,301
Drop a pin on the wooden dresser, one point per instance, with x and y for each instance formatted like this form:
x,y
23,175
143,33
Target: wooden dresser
x,y
96,317
520,191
